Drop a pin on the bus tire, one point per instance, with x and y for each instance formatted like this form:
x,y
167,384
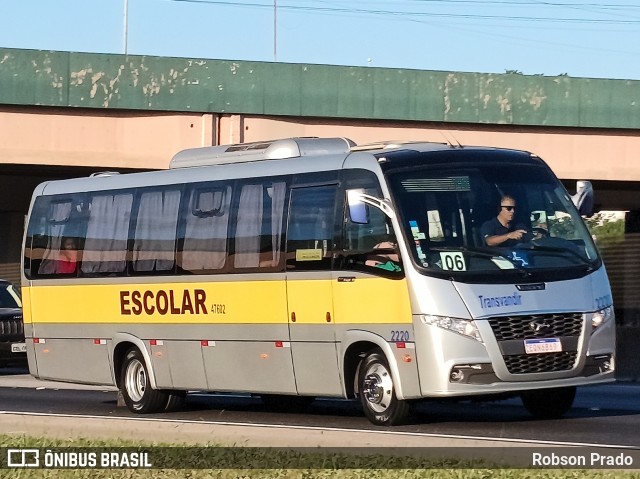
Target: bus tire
x,y
137,392
549,403
377,393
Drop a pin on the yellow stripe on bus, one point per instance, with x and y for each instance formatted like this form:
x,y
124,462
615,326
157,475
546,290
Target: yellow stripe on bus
x,y
243,302
364,301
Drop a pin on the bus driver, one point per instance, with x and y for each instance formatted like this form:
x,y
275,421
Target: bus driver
x,y
500,231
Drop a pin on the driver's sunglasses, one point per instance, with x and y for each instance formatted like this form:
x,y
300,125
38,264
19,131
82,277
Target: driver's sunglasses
x,y
508,208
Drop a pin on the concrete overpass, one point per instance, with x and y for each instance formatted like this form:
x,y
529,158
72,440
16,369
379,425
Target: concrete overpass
x,y
68,114
116,111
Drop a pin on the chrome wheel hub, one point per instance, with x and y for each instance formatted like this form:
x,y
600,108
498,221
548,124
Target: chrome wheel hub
x,y
136,380
378,388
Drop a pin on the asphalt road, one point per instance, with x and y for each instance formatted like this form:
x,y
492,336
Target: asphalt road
x,y
602,415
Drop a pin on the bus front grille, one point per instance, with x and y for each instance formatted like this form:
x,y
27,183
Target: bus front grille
x,y
512,331
533,326
540,363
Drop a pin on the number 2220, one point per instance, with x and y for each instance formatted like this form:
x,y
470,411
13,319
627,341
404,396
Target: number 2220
x,y
399,336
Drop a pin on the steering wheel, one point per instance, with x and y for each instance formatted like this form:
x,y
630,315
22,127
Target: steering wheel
x,y
539,233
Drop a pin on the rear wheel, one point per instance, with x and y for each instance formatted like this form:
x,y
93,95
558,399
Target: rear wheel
x,y
549,403
137,392
377,393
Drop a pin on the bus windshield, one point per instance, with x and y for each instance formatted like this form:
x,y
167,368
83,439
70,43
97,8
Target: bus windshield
x,y
448,215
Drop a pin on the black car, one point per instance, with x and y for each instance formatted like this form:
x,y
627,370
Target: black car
x,y
12,346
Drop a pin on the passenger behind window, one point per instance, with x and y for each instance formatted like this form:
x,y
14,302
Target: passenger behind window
x,y
68,257
384,255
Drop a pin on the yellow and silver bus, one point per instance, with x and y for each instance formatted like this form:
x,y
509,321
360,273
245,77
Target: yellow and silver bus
x,y
309,267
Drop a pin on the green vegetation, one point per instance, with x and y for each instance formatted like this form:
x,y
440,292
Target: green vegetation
x,y
607,231
283,464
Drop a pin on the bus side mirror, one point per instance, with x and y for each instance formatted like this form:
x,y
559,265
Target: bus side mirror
x,y
359,203
358,210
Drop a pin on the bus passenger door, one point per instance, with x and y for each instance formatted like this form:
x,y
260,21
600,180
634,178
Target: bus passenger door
x,y
310,233
370,291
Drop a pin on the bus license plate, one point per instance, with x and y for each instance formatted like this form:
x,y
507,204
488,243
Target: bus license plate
x,y
537,346
19,348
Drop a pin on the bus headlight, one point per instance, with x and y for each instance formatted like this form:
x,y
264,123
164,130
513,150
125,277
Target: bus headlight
x,y
600,317
465,327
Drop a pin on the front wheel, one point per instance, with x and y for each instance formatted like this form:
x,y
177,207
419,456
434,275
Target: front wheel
x,y
137,392
377,393
549,403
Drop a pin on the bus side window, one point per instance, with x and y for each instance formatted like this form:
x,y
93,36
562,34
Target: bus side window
x,y
58,216
54,243
259,219
105,248
203,247
154,238
311,228
371,246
